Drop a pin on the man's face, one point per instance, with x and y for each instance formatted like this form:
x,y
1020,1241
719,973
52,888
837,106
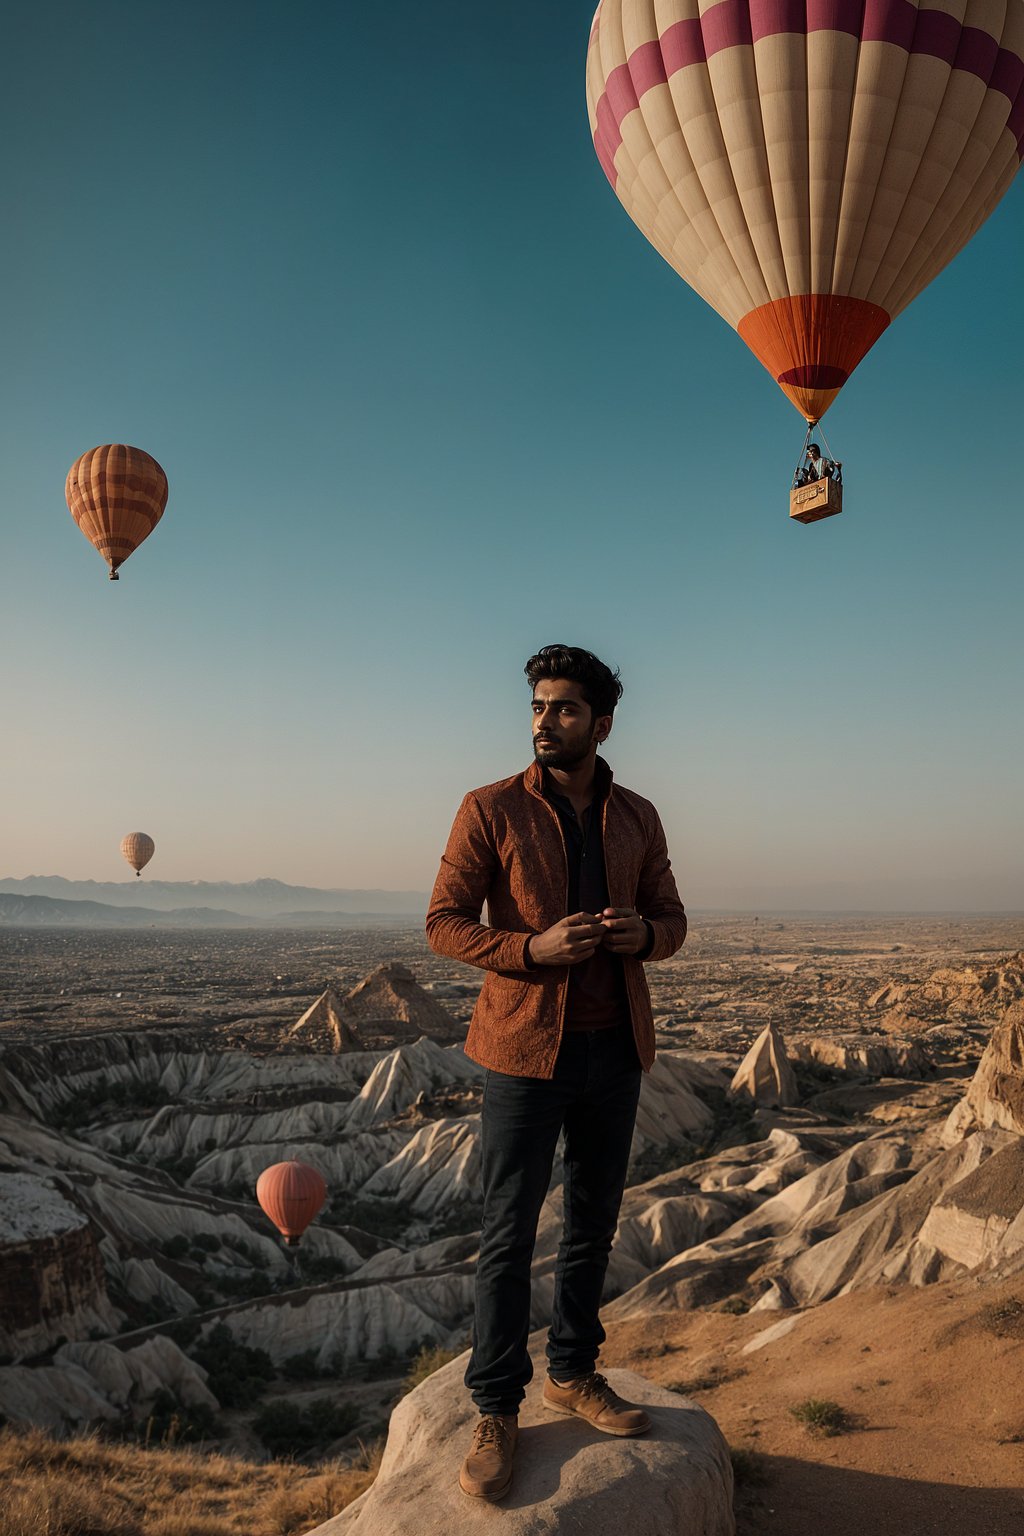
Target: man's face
x,y
564,727
814,454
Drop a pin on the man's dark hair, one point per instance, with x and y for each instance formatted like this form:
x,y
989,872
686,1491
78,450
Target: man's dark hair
x,y
600,685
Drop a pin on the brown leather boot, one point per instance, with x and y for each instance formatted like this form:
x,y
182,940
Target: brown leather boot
x,y
487,1471
591,1398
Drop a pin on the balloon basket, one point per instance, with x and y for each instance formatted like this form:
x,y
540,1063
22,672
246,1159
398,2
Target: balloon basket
x,y
820,498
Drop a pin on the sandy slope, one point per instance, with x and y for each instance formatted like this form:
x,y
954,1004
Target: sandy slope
x,y
933,1378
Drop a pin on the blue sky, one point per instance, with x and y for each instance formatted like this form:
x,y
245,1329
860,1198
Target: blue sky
x,y
427,400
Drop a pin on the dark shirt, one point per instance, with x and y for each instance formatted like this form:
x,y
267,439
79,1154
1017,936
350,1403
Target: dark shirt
x,y
597,989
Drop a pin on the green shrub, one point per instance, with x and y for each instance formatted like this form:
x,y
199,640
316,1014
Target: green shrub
x,y
317,1267
286,1429
301,1367
821,1416
184,1331
237,1375
176,1247
389,1219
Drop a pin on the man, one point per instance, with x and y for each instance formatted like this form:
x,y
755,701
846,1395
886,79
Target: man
x,y
579,891
817,467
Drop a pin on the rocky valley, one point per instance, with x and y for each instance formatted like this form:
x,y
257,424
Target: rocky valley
x,y
830,1146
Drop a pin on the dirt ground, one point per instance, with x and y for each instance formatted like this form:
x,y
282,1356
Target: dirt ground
x,y
931,1382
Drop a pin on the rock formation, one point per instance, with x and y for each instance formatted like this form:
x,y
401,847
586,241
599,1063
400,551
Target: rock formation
x,y
52,1278
389,1007
399,1077
765,1074
568,1476
89,1383
996,1095
325,1027
865,1057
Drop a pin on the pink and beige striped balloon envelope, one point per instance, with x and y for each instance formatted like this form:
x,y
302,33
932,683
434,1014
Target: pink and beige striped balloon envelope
x,y
808,166
116,495
138,848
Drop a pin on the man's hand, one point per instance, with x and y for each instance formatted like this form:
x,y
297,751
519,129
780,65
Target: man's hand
x,y
569,941
625,932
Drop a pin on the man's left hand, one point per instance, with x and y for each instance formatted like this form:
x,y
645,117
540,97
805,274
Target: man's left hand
x,y
625,930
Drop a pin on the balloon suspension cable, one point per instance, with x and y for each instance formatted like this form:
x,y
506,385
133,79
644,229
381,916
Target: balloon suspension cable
x,y
824,440
803,452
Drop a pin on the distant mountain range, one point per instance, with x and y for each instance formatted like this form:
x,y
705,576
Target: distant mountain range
x,y
268,899
52,901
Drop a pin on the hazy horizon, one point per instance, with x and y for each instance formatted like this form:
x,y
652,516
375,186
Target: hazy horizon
x,y
767,902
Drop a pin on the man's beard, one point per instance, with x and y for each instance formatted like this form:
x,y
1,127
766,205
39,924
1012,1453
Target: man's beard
x,y
561,756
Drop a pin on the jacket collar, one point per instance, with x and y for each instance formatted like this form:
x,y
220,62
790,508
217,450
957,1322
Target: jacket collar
x,y
533,778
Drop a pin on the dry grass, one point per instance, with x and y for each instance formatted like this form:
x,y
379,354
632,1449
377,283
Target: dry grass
x,y
87,1487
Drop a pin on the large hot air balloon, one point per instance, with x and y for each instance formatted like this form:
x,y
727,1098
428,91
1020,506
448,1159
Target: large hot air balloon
x,y
116,495
808,166
291,1194
138,848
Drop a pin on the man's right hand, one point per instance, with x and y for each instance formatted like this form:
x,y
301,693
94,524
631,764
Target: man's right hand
x,y
571,940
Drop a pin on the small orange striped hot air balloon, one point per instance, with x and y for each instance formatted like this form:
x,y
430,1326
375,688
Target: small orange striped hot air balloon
x,y
291,1194
808,166
138,848
116,495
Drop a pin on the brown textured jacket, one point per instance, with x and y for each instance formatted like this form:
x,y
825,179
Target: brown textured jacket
x,y
507,849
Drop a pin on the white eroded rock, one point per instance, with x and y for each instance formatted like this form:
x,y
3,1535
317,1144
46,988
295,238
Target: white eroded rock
x,y
346,1163
996,1094
181,1131
568,1476
353,1322
402,1074
91,1382
765,1075
670,1110
868,1057
885,1241
438,1169
136,1375
970,1220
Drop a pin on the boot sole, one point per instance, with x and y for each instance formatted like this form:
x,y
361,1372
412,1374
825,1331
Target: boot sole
x,y
490,1498
571,1413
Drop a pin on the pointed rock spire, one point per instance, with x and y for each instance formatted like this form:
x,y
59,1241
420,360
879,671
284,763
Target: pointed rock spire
x,y
325,1027
765,1073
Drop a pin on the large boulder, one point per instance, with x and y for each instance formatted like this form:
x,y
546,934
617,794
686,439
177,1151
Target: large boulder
x,y
568,1476
996,1094
765,1074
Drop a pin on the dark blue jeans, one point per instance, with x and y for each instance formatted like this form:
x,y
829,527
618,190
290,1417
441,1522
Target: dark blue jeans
x,y
593,1096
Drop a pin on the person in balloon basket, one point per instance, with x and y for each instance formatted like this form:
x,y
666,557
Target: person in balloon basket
x,y
819,468
575,873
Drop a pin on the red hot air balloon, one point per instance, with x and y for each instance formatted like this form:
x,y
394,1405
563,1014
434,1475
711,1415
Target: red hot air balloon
x,y
291,1194
116,495
138,848
808,166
